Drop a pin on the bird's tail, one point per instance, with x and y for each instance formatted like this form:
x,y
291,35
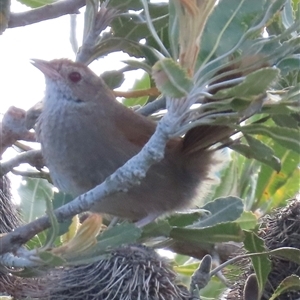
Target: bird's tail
x,y
205,136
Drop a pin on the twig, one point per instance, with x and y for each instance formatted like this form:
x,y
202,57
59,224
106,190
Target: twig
x,y
138,93
73,39
102,19
41,174
47,12
12,261
198,251
32,157
216,261
152,107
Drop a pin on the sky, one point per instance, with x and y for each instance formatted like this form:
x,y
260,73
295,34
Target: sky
x,y
22,85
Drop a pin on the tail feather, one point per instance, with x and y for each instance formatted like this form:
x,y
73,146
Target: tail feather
x,y
205,136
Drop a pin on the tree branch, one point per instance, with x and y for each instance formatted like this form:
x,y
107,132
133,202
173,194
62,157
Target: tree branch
x,y
13,128
152,107
102,18
138,93
50,11
32,157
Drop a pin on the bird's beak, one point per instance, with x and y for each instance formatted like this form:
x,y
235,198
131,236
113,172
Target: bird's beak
x,y
46,67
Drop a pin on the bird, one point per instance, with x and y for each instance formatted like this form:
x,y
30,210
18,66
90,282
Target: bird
x,y
86,135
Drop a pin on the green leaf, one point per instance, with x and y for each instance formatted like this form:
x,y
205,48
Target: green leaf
x,y
269,189
113,79
286,137
36,3
254,84
247,27
111,238
290,283
158,228
219,233
126,4
133,26
262,153
140,84
247,178
132,48
228,183
285,120
171,79
27,273
227,24
187,269
221,210
248,152
182,219
288,253
59,200
213,290
173,30
136,64
273,187
261,264
293,94
289,64
51,259
37,241
33,193
118,235
52,232
287,14
247,221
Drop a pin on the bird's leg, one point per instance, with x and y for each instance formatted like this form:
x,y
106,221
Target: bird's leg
x,y
147,220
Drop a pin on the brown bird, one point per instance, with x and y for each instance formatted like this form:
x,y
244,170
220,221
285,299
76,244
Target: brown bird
x,y
86,135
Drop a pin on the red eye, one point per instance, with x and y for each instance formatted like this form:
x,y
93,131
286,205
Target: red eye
x,y
75,77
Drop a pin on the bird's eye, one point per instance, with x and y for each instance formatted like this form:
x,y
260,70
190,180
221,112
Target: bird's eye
x,y
75,77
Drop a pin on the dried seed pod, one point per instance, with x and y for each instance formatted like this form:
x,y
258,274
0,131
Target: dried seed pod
x,y
9,217
279,229
131,272
17,287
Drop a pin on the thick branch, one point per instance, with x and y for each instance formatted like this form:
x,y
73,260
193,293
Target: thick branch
x,y
46,12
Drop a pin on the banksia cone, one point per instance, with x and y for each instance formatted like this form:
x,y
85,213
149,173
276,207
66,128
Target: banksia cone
x,y
131,272
280,229
9,220
9,217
